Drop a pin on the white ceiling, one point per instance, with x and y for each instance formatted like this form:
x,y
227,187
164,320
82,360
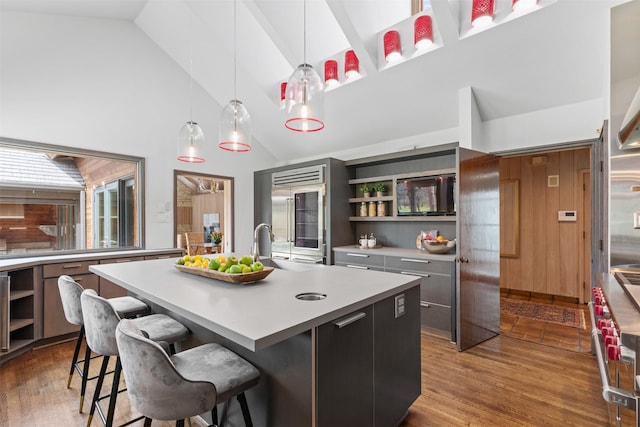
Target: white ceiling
x,y
554,56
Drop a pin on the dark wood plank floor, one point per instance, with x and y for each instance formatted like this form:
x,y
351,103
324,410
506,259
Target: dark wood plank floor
x,y
502,382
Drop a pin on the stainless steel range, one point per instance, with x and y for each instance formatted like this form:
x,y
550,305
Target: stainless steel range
x,y
615,335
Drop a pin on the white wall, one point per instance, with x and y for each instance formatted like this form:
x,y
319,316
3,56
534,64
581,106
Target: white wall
x,y
103,85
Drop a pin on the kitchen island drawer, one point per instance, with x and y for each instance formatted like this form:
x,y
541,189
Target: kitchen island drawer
x,y
435,316
360,258
419,264
69,268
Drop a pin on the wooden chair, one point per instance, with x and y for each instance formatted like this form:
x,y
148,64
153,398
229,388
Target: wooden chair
x,y
195,243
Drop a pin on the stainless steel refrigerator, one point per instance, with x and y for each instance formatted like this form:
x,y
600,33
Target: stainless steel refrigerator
x,y
298,215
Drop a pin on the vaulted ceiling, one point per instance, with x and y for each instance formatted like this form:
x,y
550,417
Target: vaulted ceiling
x,y
552,56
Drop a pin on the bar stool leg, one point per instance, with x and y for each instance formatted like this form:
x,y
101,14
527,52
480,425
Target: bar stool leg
x,y
114,393
245,410
75,356
85,376
96,393
147,422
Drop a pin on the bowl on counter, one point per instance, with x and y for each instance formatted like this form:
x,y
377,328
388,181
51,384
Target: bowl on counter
x,y
437,247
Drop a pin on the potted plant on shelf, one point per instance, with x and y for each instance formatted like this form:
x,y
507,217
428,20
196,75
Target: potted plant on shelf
x,y
216,237
380,189
366,190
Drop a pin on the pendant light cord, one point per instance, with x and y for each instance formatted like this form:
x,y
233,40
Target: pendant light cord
x,y
235,53
304,30
191,66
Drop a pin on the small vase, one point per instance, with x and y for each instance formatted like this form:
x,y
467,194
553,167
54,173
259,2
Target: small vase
x,y
379,193
367,194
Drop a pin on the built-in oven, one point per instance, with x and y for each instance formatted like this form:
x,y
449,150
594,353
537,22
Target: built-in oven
x,y
298,214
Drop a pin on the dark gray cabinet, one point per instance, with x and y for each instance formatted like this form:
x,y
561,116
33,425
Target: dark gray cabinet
x,y
369,364
345,365
397,361
338,229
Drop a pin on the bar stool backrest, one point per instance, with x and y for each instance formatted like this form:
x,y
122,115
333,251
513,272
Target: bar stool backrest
x,y
70,291
155,387
100,322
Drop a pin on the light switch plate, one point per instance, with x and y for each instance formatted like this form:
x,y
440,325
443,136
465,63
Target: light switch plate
x,y
636,220
399,305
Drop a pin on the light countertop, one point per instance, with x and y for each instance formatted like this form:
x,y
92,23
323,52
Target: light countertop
x,y
261,314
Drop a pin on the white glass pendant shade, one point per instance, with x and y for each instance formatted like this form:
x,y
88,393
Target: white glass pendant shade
x,y
235,128
190,143
305,100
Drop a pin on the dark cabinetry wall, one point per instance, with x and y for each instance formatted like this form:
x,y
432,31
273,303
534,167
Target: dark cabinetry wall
x,y
402,234
338,230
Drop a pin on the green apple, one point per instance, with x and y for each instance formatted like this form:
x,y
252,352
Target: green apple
x,y
214,264
235,269
222,268
257,266
246,260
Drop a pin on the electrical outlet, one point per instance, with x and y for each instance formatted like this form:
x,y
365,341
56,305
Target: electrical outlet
x,y
399,305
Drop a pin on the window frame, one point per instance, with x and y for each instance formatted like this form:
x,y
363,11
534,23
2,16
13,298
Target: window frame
x,y
139,173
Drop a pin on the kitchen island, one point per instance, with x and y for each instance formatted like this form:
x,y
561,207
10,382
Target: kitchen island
x,y
352,358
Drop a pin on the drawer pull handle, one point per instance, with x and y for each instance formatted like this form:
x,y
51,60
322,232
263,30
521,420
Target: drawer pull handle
x,y
360,267
358,255
78,279
72,266
349,320
422,261
424,304
415,274
123,260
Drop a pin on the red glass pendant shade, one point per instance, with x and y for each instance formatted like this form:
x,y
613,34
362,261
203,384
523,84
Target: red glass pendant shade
x,y
423,32
392,47
351,64
482,12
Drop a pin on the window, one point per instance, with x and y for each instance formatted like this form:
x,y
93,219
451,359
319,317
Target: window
x,y
113,209
55,199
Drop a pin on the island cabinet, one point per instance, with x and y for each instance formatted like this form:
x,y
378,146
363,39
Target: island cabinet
x,y
345,364
367,364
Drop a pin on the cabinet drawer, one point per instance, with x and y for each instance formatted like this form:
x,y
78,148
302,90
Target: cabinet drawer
x,y
164,256
359,258
123,259
409,263
70,268
435,316
433,287
54,322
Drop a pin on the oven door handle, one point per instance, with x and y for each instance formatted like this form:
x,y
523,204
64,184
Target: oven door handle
x,y
611,394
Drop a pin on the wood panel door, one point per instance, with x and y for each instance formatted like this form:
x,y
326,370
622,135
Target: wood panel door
x,y
478,251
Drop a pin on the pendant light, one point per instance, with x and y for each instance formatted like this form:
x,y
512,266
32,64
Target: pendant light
x,y
305,94
235,122
190,138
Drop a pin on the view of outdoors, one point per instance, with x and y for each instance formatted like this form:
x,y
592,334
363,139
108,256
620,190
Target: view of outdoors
x,y
60,199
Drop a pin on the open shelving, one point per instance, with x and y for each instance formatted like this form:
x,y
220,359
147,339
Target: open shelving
x,y
390,197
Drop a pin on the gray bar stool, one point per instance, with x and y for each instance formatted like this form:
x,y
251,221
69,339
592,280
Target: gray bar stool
x,y
183,385
100,321
70,291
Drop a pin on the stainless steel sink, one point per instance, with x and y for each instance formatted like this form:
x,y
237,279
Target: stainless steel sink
x,y
282,264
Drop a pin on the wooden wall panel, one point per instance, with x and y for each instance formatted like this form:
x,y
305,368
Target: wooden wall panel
x,y
548,260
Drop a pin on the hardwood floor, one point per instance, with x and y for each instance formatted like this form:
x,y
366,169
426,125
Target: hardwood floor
x,y
502,382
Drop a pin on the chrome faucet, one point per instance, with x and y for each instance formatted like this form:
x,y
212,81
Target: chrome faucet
x,y
255,251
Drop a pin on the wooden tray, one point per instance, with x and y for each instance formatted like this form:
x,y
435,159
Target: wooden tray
x,y
231,278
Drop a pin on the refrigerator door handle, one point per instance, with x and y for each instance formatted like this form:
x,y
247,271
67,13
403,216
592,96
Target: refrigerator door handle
x,y
291,216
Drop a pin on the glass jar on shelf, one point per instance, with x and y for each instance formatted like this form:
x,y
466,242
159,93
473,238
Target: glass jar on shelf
x,y
372,209
382,208
363,209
